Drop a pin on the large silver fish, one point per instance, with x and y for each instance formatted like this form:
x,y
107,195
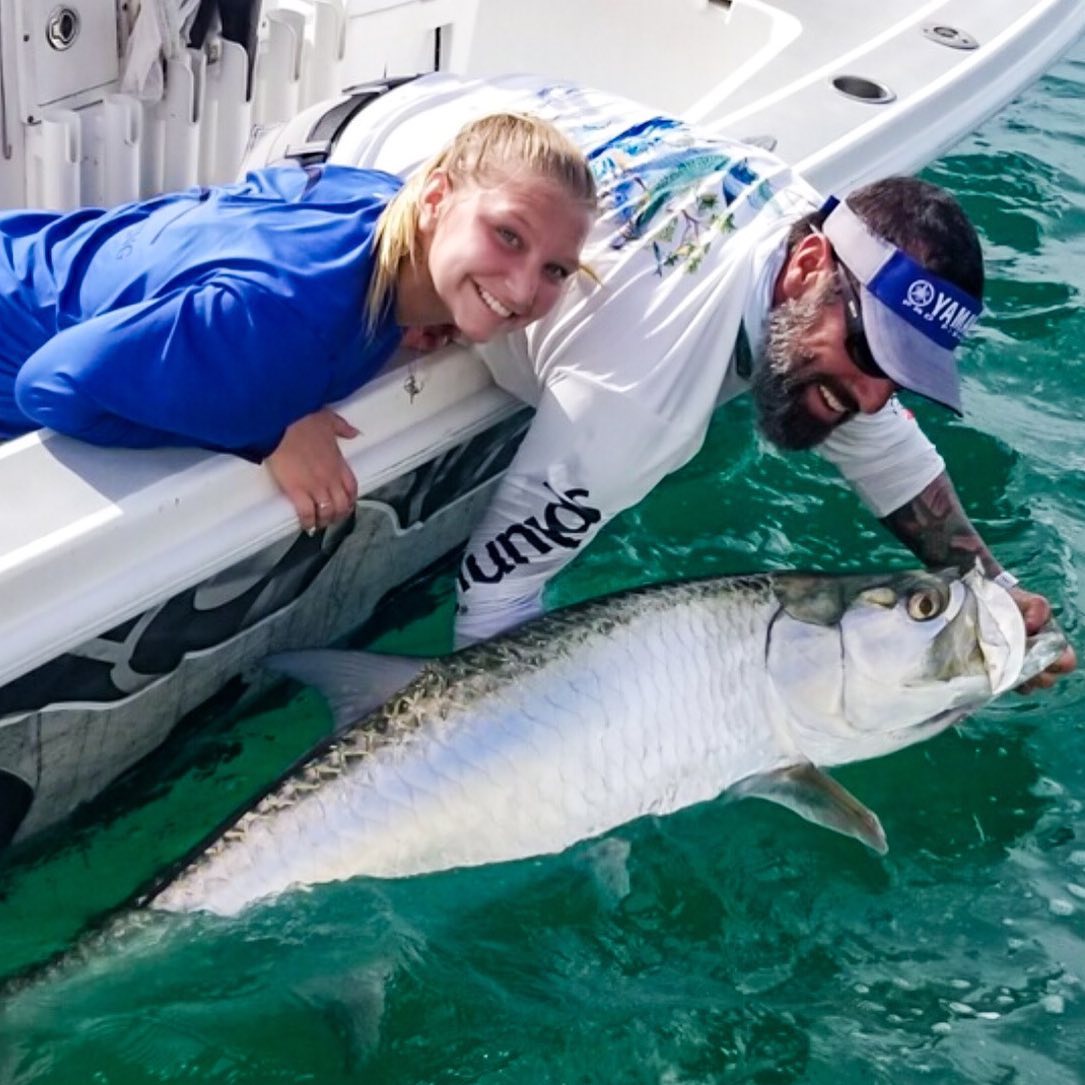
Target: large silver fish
x,y
640,703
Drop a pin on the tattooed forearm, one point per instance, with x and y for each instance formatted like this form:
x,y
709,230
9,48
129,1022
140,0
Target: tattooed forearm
x,y
934,526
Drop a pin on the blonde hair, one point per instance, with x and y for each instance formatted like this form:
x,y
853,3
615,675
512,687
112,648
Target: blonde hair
x,y
481,149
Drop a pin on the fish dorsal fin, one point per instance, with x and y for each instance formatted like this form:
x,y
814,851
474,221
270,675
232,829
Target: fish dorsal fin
x,y
353,683
811,794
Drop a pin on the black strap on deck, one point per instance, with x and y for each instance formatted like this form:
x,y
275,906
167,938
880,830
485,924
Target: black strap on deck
x,y
331,124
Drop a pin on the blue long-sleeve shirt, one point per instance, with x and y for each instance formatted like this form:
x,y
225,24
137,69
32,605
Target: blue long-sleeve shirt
x,y
212,317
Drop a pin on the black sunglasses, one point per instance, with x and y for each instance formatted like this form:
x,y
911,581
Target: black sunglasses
x,y
855,341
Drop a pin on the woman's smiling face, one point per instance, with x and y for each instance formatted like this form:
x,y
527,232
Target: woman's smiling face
x,y
498,256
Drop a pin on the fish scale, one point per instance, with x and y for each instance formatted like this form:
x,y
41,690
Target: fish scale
x,y
455,771
642,703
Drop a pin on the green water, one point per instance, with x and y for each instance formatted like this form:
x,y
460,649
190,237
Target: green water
x,y
728,943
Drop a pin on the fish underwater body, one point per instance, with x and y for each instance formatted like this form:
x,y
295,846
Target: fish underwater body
x,y
640,703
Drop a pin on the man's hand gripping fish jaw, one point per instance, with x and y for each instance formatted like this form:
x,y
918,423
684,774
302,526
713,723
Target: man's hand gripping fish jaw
x,y
897,659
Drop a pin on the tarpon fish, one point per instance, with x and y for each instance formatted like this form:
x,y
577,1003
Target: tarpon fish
x,y
640,703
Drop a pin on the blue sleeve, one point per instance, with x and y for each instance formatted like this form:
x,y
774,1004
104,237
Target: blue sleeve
x,y
225,364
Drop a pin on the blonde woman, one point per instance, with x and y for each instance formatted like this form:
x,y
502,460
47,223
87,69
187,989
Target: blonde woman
x,y
229,317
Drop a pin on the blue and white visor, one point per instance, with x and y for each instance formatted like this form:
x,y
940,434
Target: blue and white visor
x,y
913,319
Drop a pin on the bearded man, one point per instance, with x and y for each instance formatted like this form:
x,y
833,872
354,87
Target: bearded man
x,y
712,270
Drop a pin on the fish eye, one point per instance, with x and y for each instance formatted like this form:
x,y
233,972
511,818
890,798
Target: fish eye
x,y
926,603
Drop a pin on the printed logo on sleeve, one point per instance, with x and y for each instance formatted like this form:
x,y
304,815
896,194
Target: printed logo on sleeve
x,y
564,524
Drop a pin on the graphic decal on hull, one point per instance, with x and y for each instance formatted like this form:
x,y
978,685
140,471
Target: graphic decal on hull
x,y
135,653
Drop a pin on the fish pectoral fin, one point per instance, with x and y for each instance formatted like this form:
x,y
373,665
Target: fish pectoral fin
x,y
353,683
813,795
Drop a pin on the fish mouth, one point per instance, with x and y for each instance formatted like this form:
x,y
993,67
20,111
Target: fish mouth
x,y
1010,655
999,631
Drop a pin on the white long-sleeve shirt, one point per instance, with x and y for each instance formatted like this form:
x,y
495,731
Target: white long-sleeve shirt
x,y
624,374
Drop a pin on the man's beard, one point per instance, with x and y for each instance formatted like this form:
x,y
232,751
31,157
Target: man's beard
x,y
779,385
